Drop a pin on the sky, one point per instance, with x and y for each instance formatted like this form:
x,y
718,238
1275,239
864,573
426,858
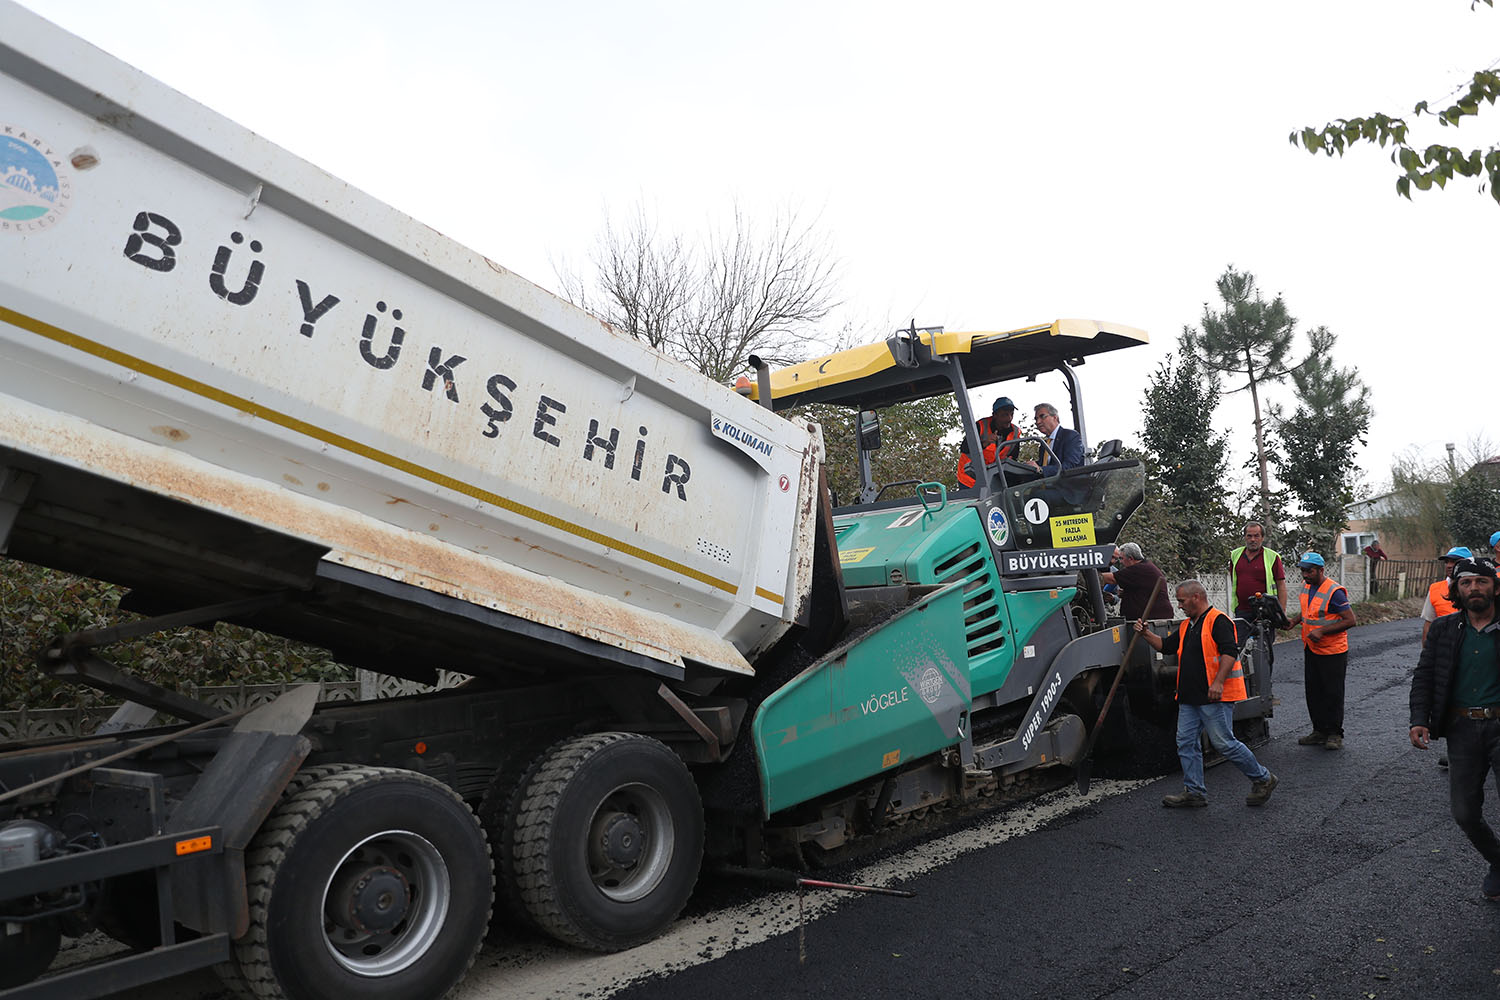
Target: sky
x,y
974,165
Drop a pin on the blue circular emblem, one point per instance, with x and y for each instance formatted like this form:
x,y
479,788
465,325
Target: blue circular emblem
x,y
35,186
999,527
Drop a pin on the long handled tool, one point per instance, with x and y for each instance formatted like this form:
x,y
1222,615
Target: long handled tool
x,y
1086,762
791,880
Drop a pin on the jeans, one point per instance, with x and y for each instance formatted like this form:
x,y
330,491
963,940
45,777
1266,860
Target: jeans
x,y
1217,720
1473,752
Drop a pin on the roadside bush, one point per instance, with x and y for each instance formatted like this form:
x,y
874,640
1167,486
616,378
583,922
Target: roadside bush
x,y
38,604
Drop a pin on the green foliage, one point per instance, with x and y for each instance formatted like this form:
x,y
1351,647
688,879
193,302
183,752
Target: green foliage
x,y
911,439
1186,462
1437,163
1472,511
1316,455
1415,509
1156,526
1248,336
37,605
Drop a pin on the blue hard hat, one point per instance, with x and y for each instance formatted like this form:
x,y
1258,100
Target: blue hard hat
x,y
1006,403
1495,539
1310,559
1462,552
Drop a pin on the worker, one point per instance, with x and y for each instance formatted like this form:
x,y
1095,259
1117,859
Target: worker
x,y
1455,694
1325,615
1257,569
993,430
1137,577
1209,681
1063,447
1437,603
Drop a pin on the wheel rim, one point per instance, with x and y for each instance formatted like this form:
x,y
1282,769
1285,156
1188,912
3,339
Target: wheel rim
x,y
385,902
630,843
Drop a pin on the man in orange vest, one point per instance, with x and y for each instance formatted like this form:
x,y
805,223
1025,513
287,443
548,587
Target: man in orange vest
x,y
1210,680
1438,604
1325,615
994,429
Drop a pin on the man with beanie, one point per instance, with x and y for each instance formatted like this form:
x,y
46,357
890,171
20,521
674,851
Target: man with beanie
x,y
1455,694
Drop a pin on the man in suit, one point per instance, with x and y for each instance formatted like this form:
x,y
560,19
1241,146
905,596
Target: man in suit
x,y
1064,447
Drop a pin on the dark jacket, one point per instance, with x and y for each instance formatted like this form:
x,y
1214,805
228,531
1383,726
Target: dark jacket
x,y
1068,454
1437,671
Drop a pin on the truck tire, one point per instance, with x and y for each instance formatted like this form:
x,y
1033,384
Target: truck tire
x,y
368,881
608,842
229,971
498,812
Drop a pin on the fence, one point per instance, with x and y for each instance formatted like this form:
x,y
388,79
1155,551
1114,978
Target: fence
x,y
27,724
1419,574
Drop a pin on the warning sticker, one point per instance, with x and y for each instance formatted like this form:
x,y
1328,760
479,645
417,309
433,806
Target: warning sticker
x,y
847,556
1069,530
890,759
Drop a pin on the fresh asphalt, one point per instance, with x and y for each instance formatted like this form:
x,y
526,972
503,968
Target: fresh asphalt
x,y
1351,882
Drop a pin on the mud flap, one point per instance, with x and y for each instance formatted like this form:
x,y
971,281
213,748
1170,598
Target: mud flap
x,y
238,789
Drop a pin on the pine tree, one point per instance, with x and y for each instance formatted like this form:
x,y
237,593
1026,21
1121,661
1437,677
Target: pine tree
x,y
1318,441
1249,337
1188,458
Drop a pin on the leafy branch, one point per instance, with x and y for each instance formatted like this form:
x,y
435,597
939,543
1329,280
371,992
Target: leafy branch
x,y
1437,163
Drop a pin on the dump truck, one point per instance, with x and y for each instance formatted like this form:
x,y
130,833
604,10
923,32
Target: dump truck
x,y
248,393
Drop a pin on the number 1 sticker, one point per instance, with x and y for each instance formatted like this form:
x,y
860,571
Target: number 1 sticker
x,y
1036,510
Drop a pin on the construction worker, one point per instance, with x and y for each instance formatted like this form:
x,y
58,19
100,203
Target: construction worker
x,y
993,430
1455,693
1325,615
1257,569
1438,604
1210,680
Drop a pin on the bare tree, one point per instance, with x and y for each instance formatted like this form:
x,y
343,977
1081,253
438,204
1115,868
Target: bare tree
x,y
733,292
642,283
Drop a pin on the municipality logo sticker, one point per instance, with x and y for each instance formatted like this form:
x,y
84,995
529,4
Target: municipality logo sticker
x,y
36,183
999,527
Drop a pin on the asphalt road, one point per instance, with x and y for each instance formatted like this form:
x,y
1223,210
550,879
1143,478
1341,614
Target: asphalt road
x,y
1352,882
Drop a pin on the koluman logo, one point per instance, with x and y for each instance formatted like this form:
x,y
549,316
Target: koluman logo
x,y
36,183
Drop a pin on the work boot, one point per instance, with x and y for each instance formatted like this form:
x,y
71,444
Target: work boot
x,y
1334,742
1491,887
1260,791
1184,800
1313,739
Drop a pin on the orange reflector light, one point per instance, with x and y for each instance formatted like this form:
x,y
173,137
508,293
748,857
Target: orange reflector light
x,y
421,747
195,845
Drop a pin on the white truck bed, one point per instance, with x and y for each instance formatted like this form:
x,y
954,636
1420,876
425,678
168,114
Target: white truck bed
x,y
224,372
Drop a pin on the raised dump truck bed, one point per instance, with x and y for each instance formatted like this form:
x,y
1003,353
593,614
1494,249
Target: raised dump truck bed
x,y
224,373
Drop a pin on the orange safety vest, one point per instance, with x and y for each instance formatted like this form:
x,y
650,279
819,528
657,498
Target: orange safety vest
x,y
1438,595
1315,613
1234,684
965,477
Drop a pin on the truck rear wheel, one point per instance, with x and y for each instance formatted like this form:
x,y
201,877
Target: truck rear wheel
x,y
608,840
367,880
498,812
